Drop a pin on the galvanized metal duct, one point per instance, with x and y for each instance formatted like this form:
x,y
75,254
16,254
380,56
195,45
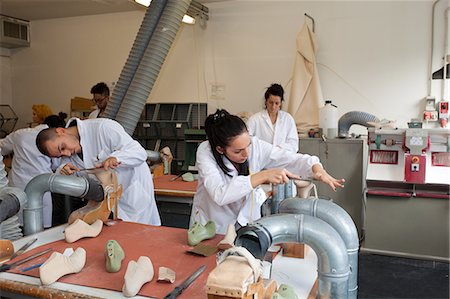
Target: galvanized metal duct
x,y
354,118
76,186
150,65
340,220
333,267
143,37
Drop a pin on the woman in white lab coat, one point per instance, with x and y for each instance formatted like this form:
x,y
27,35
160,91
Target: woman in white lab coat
x,y
232,165
103,143
28,162
272,124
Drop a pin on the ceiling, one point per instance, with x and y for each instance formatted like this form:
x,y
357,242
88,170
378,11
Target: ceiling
x,y
50,9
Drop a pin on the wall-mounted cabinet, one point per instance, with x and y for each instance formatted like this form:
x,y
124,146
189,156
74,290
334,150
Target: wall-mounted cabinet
x,y
165,124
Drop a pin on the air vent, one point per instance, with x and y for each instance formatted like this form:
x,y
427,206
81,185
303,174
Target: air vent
x,y
14,32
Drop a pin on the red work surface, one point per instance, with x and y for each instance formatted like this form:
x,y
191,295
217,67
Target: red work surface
x,y
165,246
165,182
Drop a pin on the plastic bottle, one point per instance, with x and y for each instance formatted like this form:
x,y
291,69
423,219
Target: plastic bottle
x,y
328,119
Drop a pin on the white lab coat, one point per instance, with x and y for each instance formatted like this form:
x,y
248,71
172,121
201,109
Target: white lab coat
x,y
27,163
229,199
102,138
94,113
283,133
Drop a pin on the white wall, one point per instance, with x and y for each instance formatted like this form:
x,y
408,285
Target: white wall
x,y
373,56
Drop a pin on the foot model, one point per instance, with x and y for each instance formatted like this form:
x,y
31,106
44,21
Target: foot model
x,y
114,255
59,265
198,232
284,292
80,229
137,274
228,240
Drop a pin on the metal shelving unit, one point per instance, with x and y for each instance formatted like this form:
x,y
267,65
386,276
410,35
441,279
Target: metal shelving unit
x,y
164,124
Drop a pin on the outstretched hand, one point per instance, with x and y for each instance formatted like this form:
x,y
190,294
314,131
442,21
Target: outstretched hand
x,y
324,177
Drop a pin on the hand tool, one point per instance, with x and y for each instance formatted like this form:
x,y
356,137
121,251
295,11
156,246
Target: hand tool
x,y
6,267
23,248
32,267
87,169
180,288
178,176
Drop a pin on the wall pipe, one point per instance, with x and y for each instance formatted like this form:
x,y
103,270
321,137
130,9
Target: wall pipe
x,y
143,37
333,266
151,63
75,186
337,218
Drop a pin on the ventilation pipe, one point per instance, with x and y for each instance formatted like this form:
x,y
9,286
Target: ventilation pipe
x,y
354,118
333,267
143,37
11,200
340,220
75,186
150,65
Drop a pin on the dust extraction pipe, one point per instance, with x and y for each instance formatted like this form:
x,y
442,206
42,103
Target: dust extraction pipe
x,y
333,265
150,65
143,36
75,186
338,219
354,118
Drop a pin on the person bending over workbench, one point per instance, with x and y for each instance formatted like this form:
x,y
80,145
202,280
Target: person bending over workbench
x,y
103,143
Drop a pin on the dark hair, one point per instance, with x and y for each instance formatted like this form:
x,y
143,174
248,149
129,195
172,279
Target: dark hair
x,y
100,88
42,138
275,90
56,121
221,127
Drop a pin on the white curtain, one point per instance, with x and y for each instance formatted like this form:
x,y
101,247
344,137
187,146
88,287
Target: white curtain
x,y
306,93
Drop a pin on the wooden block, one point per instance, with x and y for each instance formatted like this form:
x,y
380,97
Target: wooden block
x,y
263,289
294,250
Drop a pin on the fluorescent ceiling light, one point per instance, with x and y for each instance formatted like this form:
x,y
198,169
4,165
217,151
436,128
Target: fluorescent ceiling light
x,y
186,19
144,2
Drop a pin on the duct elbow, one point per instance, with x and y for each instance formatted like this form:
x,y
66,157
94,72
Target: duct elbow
x,y
354,118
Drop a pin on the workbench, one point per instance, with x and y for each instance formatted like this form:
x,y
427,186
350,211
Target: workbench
x,y
300,273
174,200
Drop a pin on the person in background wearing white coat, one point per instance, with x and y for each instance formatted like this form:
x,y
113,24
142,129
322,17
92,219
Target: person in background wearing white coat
x,y
232,165
100,95
28,162
103,143
272,124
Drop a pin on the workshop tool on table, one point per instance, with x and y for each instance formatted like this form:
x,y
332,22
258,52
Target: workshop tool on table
x,y
178,176
23,248
6,267
181,287
32,267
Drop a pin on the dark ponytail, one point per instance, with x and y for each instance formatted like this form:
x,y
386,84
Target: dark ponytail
x,y
221,127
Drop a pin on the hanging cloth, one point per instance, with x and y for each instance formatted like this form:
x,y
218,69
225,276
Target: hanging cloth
x,y
306,93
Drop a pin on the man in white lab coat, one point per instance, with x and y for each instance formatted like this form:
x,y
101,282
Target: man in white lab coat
x,y
272,124
103,143
28,162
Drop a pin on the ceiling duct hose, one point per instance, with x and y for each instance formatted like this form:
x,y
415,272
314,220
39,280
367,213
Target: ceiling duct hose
x,y
147,72
143,37
333,268
49,182
342,223
354,118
